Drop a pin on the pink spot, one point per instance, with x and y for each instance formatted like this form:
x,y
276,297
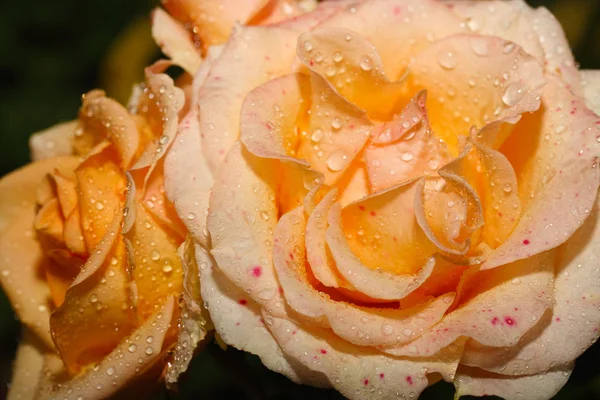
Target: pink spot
x,y
366,382
495,320
381,375
243,302
293,332
267,58
237,324
510,321
269,125
323,351
291,255
557,319
526,241
257,271
409,380
361,207
372,213
397,11
311,62
516,308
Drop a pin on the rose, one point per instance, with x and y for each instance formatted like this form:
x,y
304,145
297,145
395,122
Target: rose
x,y
411,198
93,273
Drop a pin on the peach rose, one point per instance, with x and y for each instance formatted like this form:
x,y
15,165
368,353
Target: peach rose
x,y
93,274
397,192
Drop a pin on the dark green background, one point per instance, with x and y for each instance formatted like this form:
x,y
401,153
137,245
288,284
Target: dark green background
x,y
54,51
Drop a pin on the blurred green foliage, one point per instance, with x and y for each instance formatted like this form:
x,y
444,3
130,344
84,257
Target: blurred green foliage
x,y
55,51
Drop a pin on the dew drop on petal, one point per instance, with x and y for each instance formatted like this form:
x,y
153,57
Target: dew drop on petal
x,y
447,59
366,63
513,94
337,160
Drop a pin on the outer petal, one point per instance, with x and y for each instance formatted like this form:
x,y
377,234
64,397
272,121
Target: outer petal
x,y
27,368
124,364
363,326
558,174
253,56
572,326
590,80
55,141
238,321
359,372
543,386
460,96
212,20
386,23
496,307
175,41
22,259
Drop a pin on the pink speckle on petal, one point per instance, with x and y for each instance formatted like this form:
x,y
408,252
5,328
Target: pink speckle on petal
x,y
397,11
361,207
372,213
409,379
323,351
366,382
243,302
494,321
557,319
526,241
257,271
381,375
510,321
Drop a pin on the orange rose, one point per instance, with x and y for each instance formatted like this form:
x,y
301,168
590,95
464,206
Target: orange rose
x,y
397,192
94,273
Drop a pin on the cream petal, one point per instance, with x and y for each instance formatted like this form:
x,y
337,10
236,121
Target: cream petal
x,y
175,41
238,321
363,326
27,369
590,81
543,386
461,97
496,307
359,372
55,141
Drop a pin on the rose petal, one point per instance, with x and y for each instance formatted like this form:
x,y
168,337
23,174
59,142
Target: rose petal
x,y
386,23
101,192
277,11
103,118
352,66
363,326
212,20
175,41
369,270
562,184
510,20
130,359
358,372
20,264
238,321
241,216
572,326
193,319
253,56
404,148
27,368
98,301
497,307
188,179
543,386
590,81
335,132
354,183
460,97
55,141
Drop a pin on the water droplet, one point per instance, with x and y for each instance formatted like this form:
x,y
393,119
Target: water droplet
x,y
191,216
99,206
149,351
337,57
336,123
93,298
513,94
110,371
366,63
508,48
337,160
387,329
348,37
407,332
308,45
317,135
507,188
167,268
132,348
407,156
264,216
447,59
155,255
